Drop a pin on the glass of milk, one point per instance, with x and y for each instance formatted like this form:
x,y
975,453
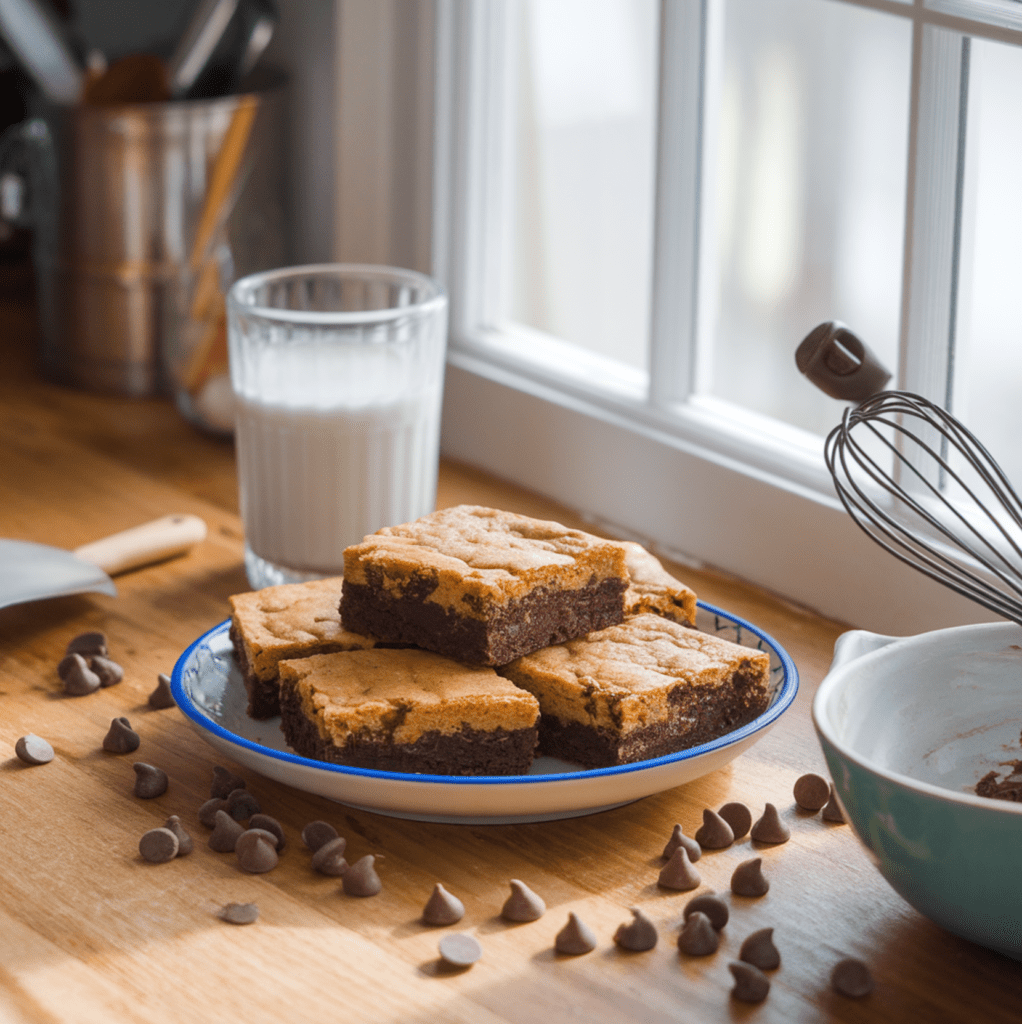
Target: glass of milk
x,y
337,372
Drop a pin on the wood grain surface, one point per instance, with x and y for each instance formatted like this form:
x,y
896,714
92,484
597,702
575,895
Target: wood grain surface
x,y
89,932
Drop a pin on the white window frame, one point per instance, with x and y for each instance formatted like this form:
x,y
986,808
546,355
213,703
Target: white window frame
x,y
693,477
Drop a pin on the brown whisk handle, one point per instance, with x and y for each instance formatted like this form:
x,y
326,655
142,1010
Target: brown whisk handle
x,y
840,364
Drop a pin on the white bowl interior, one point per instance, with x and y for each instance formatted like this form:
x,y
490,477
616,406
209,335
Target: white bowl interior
x,y
942,708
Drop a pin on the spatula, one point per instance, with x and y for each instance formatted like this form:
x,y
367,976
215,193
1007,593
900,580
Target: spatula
x,y
30,572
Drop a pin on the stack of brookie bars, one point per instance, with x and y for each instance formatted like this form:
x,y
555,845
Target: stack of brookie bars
x,y
467,641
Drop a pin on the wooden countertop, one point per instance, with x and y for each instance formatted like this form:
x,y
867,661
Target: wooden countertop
x,y
90,932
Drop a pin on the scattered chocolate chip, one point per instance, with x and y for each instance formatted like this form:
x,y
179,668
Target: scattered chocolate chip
x,y
770,828
523,904
149,781
715,833
329,858
678,872
225,834
459,949
678,838
240,913
109,672
851,978
256,850
158,845
207,812
316,833
833,812
636,935
78,678
224,783
751,984
748,880
184,840
162,697
442,908
264,821
33,749
121,738
361,878
811,792
759,950
698,936
90,645
241,804
710,905
575,938
738,816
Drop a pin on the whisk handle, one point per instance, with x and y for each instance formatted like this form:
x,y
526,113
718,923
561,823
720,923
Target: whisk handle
x,y
840,364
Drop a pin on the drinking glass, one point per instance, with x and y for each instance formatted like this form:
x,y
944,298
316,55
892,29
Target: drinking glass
x,y
337,374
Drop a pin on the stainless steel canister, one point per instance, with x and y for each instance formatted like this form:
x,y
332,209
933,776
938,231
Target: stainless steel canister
x,y
133,208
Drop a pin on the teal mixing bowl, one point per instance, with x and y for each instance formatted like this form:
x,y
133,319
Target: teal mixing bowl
x,y
908,727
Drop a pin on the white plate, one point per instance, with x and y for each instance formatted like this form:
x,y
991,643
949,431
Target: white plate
x,y
209,689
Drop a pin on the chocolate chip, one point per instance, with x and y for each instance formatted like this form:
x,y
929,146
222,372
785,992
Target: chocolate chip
x,y
811,792
715,833
442,908
678,872
523,904
256,850
149,781
851,978
636,935
329,858
678,838
751,984
361,878
224,783
162,697
770,828
109,672
207,812
459,949
712,906
184,840
576,937
698,936
33,749
759,950
158,845
748,880
264,821
316,833
241,804
121,738
77,677
88,644
240,913
226,831
738,816
833,812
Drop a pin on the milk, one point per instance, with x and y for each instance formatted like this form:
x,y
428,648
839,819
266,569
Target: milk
x,y
315,479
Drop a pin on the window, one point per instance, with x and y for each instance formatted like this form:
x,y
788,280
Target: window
x,y
641,207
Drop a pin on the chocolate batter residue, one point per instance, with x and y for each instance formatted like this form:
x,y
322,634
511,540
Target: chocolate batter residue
x,y
1007,788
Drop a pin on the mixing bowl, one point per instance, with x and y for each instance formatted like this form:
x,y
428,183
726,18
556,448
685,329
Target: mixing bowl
x,y
908,727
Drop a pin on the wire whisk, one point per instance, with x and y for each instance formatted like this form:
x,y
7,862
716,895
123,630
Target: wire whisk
x,y
925,489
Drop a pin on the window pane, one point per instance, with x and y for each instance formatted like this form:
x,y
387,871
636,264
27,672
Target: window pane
x,y
988,357
804,201
585,139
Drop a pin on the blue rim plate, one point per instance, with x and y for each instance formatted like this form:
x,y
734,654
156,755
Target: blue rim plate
x,y
209,690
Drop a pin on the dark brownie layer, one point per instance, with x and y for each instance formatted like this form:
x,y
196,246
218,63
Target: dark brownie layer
x,y
469,752
699,714
263,696
541,618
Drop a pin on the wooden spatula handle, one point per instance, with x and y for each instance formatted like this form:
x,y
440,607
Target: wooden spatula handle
x,y
141,545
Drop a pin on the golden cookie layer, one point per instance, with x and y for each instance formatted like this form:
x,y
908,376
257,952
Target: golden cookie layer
x,y
651,588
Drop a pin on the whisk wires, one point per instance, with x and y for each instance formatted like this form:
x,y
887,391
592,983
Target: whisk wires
x,y
902,499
